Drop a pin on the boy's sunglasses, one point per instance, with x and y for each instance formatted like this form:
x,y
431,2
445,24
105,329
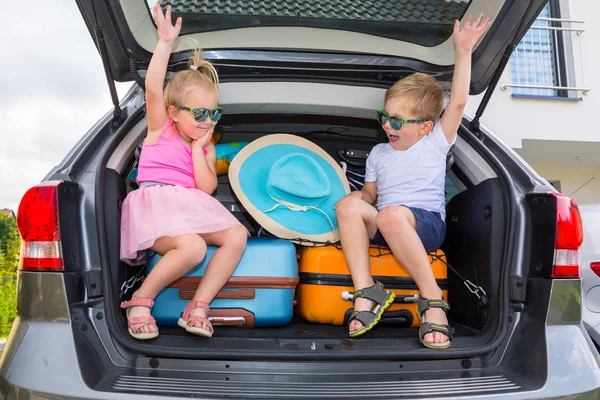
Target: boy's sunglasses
x,y
200,114
396,122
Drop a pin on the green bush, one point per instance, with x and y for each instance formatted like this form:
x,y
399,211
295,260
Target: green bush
x,y
8,303
9,258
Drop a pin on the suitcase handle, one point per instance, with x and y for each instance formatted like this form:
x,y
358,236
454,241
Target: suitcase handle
x,y
399,298
228,321
242,294
399,318
237,317
413,298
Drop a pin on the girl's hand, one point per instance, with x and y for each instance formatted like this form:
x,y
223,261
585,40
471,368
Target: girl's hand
x,y
166,31
200,144
466,39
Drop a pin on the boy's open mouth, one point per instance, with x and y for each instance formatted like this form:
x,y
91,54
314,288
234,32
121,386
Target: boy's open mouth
x,y
393,138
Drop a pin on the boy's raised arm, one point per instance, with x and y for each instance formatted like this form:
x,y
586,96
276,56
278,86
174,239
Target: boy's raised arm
x,y
464,41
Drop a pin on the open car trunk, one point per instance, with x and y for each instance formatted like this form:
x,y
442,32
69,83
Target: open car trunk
x,y
347,45
477,229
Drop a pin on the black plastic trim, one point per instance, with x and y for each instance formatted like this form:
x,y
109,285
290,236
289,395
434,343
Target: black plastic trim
x,y
543,218
69,222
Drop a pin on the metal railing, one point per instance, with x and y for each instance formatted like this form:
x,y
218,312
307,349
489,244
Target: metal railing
x,y
539,60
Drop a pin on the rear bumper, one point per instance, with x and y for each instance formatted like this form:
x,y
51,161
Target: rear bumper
x,y
40,361
45,357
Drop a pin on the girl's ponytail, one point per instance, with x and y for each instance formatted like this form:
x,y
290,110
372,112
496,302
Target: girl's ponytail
x,y
203,67
200,74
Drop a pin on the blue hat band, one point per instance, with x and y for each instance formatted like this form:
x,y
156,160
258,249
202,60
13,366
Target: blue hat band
x,y
295,207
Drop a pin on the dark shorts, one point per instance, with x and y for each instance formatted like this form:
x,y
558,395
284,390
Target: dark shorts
x,y
430,228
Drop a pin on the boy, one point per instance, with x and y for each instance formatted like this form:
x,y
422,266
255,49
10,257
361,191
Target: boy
x,y
406,176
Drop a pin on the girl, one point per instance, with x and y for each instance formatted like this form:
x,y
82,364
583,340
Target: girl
x,y
173,212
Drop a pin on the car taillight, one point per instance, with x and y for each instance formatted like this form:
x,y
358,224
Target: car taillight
x,y
38,224
569,236
595,267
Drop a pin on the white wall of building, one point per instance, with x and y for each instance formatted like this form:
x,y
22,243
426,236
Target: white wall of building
x,y
514,119
560,139
580,181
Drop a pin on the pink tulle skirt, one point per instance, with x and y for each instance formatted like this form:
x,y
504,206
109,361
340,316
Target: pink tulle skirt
x,y
156,211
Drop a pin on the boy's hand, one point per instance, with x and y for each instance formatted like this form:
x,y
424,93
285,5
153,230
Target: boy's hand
x,y
166,30
465,39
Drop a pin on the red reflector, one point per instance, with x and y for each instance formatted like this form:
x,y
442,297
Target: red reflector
x,y
569,236
38,224
595,267
565,271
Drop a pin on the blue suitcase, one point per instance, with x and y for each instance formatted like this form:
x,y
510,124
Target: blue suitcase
x,y
259,294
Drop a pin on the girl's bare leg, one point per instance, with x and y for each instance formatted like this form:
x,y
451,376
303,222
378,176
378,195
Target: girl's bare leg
x,y
231,243
181,254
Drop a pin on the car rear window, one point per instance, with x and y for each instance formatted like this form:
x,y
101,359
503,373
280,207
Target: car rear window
x,y
423,22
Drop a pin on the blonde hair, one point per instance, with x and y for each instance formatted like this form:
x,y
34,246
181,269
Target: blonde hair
x,y
422,93
199,74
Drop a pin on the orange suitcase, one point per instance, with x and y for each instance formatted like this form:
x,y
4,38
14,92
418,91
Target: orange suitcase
x,y
325,290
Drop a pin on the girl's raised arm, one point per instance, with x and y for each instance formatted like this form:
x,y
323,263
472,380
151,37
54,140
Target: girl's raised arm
x,y
155,77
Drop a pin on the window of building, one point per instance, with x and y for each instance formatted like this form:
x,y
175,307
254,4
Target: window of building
x,y
539,59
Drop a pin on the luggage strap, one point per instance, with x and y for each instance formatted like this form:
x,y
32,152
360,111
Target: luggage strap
x,y
476,290
473,288
130,283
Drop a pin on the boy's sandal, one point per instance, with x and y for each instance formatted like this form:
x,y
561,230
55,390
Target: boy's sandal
x,y
382,298
134,324
196,324
429,327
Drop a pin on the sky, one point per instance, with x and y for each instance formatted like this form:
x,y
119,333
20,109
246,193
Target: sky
x,y
52,90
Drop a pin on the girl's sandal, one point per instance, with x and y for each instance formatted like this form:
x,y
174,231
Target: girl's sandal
x,y
382,298
429,327
195,324
134,324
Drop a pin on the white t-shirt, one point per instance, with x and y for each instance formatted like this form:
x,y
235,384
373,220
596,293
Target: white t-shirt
x,y
414,177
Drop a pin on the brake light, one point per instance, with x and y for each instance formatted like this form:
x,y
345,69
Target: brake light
x,y
38,224
569,236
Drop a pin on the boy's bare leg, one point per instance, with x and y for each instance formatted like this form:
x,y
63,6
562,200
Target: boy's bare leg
x,y
356,221
398,226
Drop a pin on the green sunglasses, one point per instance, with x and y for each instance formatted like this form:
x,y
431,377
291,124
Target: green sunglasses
x,y
200,114
396,122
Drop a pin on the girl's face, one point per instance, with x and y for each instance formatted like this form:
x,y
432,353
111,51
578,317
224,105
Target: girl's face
x,y
202,97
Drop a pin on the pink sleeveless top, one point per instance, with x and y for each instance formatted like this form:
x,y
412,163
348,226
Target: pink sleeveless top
x,y
169,160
